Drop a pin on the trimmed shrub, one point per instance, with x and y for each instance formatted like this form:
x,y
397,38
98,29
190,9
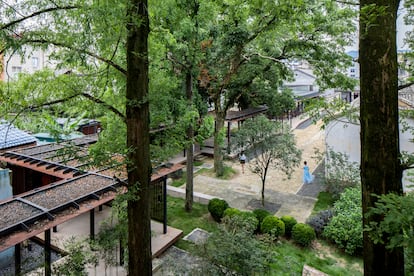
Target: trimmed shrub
x,y
289,223
216,207
303,234
261,214
319,221
273,225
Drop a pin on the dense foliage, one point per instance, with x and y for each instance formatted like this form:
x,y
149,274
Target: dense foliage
x,y
223,254
340,173
397,227
345,227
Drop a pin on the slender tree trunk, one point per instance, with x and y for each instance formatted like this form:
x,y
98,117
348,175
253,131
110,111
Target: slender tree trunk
x,y
264,182
380,167
190,148
263,187
139,165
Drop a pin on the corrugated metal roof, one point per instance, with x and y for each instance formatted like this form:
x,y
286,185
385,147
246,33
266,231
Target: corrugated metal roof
x,y
10,136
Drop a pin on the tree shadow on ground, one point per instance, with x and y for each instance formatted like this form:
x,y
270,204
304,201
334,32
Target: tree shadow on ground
x,y
268,206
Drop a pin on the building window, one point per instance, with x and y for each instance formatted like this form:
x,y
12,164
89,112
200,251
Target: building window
x,y
352,70
35,62
15,71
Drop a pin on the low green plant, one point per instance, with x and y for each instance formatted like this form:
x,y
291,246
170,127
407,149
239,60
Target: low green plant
x,y
228,173
289,223
198,163
230,212
303,234
180,181
245,221
345,227
229,252
273,225
324,201
79,256
216,207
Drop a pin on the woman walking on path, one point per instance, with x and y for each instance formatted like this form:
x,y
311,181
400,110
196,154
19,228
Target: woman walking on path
x,y
307,177
242,160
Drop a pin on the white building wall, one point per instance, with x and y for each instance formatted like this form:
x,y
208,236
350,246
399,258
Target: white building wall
x,y
345,138
34,60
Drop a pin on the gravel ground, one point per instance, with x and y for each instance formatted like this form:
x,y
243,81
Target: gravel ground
x,y
69,191
16,211
30,259
40,149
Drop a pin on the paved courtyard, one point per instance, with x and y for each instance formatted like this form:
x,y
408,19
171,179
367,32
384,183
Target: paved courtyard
x,y
291,195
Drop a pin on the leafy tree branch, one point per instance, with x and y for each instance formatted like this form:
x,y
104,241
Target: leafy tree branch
x,y
37,13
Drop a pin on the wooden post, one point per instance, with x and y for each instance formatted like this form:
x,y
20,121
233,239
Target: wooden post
x,y
92,224
17,259
48,255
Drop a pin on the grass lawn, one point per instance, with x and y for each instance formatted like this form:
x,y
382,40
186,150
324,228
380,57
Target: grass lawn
x,y
325,201
229,172
290,258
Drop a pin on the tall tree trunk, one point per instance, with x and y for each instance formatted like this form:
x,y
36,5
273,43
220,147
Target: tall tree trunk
x,y
139,164
218,140
380,166
190,148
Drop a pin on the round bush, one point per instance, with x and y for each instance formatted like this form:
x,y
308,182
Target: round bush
x,y
261,214
231,212
289,223
303,234
216,207
273,225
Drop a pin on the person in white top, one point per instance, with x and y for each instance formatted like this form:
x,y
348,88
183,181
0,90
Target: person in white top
x,y
242,159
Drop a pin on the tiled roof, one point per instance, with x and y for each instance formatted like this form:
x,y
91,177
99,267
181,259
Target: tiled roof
x,y
10,136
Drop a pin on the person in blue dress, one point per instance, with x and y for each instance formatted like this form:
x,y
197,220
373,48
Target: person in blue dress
x,y
307,177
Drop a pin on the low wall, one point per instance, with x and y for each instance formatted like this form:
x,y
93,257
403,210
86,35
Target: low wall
x,y
197,197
